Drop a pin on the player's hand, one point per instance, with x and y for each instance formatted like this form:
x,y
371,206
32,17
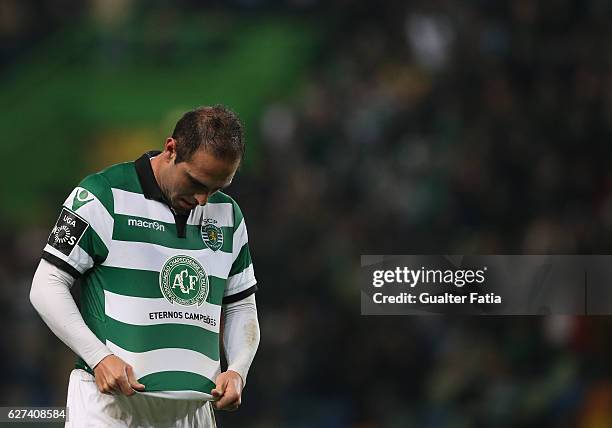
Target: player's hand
x,y
113,375
228,391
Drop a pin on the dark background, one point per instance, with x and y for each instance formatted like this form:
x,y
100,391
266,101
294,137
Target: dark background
x,y
417,127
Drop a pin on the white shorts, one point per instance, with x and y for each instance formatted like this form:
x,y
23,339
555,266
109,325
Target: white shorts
x,y
88,407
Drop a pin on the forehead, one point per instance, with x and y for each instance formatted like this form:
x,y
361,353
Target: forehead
x,y
204,166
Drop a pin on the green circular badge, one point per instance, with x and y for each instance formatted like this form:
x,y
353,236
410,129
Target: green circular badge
x,y
82,195
183,280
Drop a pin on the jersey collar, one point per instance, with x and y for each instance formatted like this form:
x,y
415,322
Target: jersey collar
x,y
150,188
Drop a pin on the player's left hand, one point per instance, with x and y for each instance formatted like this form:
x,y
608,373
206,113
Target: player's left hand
x,y
227,391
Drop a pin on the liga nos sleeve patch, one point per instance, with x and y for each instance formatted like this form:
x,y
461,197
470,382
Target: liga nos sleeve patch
x,y
67,231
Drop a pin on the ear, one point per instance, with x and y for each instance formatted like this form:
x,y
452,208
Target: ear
x,y
170,148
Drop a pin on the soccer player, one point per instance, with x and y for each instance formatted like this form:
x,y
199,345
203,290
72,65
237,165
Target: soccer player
x,y
166,270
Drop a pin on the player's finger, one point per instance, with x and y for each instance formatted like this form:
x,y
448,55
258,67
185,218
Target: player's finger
x,y
232,408
124,386
109,384
219,389
218,405
112,385
102,385
224,405
230,400
221,403
133,381
107,389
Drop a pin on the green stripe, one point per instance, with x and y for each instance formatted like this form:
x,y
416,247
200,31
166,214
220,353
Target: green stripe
x,y
100,187
176,381
93,245
238,216
123,176
92,304
130,282
165,234
243,260
143,338
219,198
145,283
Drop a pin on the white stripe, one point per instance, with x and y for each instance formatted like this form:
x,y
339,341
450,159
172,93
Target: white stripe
x,y
98,218
135,204
240,282
239,239
168,359
145,256
180,395
223,213
78,258
137,310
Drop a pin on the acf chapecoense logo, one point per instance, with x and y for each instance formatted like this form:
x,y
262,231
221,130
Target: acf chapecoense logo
x,y
183,280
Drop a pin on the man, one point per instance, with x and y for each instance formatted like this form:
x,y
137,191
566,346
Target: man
x,y
164,259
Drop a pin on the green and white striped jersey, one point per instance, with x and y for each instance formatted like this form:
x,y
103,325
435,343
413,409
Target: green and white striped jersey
x,y
153,282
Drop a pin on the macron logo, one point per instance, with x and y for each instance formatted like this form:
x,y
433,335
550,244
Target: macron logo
x,y
146,224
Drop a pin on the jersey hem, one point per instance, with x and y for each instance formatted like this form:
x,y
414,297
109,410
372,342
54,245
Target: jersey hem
x,y
179,395
82,365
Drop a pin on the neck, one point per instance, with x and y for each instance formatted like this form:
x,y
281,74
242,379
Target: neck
x,y
155,166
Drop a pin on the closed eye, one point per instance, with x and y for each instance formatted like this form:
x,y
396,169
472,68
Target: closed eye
x,y
197,184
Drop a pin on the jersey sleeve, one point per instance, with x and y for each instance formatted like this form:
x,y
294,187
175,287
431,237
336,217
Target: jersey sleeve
x,y
83,231
241,281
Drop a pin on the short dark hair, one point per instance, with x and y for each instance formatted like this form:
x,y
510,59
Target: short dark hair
x,y
216,128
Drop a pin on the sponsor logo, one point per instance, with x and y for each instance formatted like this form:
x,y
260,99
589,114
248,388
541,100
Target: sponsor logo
x,y
136,222
212,235
81,197
67,231
184,281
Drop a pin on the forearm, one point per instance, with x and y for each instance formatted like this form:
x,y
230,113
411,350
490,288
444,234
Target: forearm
x,y
241,334
50,296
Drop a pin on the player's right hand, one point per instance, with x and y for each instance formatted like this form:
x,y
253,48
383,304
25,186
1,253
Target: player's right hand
x,y
113,375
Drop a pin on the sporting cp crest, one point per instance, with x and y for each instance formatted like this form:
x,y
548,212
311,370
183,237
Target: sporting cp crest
x,y
183,280
212,236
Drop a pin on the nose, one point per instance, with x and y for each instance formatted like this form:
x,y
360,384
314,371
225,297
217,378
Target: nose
x,y
202,198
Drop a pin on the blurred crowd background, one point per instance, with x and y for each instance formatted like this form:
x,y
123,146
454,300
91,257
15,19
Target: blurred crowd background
x,y
423,127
